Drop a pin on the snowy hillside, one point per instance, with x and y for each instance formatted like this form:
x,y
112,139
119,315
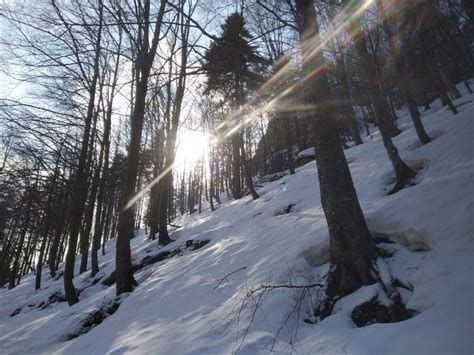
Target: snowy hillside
x,y
208,299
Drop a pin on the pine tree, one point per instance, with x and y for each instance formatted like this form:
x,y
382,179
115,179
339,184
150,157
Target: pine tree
x,y
234,69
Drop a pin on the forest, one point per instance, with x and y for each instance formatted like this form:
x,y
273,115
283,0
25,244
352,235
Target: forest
x,y
236,176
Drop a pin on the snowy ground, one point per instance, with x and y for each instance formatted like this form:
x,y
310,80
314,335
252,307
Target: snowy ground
x,y
186,305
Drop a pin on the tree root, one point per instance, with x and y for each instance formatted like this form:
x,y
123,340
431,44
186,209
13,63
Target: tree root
x,y
344,279
405,179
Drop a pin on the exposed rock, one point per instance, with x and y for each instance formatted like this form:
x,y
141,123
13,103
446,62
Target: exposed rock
x,y
15,312
375,312
198,244
95,318
57,297
285,210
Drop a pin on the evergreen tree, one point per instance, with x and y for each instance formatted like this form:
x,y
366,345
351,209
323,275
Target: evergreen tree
x,y
234,69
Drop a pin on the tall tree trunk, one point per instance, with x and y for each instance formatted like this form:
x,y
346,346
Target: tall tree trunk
x,y
289,144
84,240
47,222
80,187
59,229
145,56
403,172
167,181
236,188
401,82
347,105
351,247
19,247
439,84
98,227
247,171
415,116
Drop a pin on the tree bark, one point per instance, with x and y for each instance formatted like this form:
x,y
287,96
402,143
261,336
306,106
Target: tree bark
x,y
79,191
351,247
247,172
47,222
403,172
289,144
145,56
347,105
401,82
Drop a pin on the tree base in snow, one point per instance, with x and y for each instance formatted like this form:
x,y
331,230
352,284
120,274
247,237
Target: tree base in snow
x,y
344,279
401,185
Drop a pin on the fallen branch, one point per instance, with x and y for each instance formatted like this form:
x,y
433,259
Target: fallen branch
x,y
272,287
226,276
256,295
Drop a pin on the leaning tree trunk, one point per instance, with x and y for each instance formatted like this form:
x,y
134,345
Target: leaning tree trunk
x,y
352,250
353,254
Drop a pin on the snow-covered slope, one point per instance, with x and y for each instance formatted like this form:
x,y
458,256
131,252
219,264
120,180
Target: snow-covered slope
x,y
201,302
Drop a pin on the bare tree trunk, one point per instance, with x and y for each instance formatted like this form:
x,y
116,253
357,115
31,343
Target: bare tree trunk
x,y
440,85
401,82
59,229
105,172
79,192
348,109
236,189
212,177
289,144
247,171
47,222
382,115
19,248
145,56
352,250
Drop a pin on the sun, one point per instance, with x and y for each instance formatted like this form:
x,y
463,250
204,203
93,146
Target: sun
x,y
192,146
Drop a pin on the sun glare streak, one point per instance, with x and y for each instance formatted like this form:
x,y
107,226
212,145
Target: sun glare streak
x,y
192,148
316,45
148,187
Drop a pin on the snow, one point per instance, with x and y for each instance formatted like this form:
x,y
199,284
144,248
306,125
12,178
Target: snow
x,y
309,152
189,304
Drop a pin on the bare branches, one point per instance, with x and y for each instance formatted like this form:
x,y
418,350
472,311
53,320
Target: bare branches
x,y
229,274
277,15
252,302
